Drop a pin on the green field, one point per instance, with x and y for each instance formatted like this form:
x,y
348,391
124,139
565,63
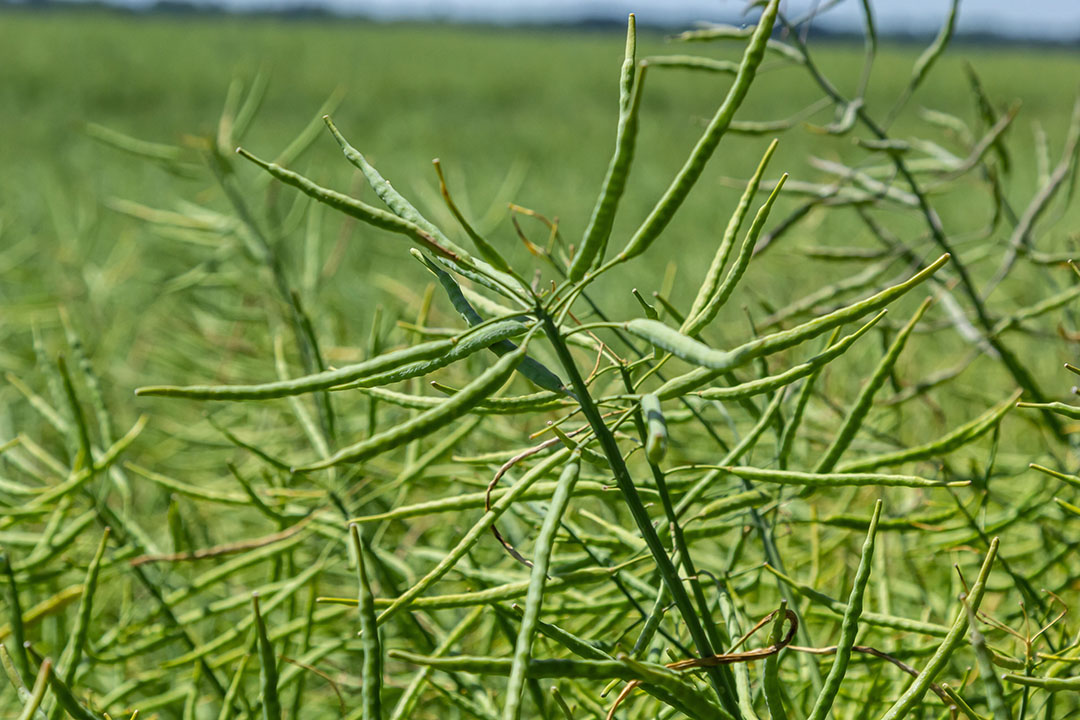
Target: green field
x,y
411,94
141,276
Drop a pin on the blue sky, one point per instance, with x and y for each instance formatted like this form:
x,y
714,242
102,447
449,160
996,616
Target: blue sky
x,y
1052,19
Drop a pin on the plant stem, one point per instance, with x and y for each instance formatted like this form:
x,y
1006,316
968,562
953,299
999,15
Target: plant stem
x,y
720,677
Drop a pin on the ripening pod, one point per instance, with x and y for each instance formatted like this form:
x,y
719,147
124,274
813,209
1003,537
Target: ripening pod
x,y
655,429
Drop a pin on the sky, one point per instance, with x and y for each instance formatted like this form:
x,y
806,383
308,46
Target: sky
x,y
1051,19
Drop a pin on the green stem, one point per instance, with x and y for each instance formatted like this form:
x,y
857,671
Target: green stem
x,y
679,539
720,677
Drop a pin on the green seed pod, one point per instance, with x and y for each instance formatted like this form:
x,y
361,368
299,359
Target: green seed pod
x,y
870,618
468,345
911,697
687,177
32,698
370,696
570,444
850,626
957,438
401,207
1050,684
774,382
537,581
469,539
426,422
169,157
791,477
995,696
268,677
17,631
386,192
384,369
861,408
67,700
693,62
738,268
593,244
656,441
585,669
73,652
710,287
934,50
544,401
530,368
352,207
104,462
770,683
715,362
407,702
1070,411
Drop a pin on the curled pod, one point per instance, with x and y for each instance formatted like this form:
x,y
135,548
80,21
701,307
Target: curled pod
x,y
656,438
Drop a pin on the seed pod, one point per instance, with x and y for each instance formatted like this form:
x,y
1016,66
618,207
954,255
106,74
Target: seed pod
x,y
234,688
384,369
711,282
67,700
73,652
537,580
960,436
995,696
394,200
426,422
530,368
791,477
486,249
934,50
543,401
738,268
401,207
570,444
850,626
17,631
911,697
169,157
862,404
676,193
732,503
714,362
466,347
720,31
470,501
593,244
693,62
656,441
563,667
1050,684
351,206
370,694
407,702
268,677
32,698
469,539
774,382
770,683
1070,411
871,618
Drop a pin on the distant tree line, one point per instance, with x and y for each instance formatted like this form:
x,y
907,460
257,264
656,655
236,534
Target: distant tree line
x,y
312,10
